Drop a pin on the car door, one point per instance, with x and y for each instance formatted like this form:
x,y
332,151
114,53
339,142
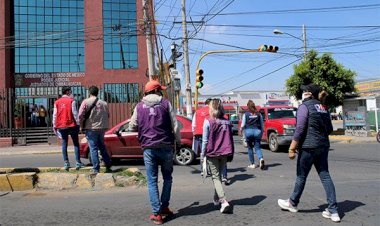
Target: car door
x,y
263,114
124,144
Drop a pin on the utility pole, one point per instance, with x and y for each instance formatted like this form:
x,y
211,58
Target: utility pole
x,y
304,40
148,35
189,109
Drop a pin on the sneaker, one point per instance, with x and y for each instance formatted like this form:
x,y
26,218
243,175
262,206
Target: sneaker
x,y
79,165
225,207
94,172
108,169
216,202
156,218
166,212
286,205
262,164
225,181
252,166
66,166
333,216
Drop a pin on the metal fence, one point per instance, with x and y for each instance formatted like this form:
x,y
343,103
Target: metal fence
x,y
17,104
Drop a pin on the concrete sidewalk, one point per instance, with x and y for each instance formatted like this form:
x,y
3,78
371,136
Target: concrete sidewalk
x,y
34,149
54,149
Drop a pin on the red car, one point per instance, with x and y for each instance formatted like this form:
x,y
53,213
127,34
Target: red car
x,y
122,144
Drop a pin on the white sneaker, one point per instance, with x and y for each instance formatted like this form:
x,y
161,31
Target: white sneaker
x,y
225,208
262,164
286,205
333,216
253,166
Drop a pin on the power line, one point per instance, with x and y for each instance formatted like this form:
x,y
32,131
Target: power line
x,y
306,10
263,76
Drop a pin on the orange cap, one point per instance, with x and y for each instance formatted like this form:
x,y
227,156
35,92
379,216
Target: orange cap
x,y
152,85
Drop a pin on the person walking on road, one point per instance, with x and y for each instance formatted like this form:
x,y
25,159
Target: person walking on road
x,y
217,147
93,115
197,127
158,133
253,126
65,123
311,139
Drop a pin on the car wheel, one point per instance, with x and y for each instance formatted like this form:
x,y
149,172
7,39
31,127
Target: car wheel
x,y
184,156
273,142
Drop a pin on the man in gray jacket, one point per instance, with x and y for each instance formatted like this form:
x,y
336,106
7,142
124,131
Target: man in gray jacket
x,y
158,131
93,116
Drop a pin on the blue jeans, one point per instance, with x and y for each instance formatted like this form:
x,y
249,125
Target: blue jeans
x,y
73,132
95,140
197,147
306,159
253,137
224,172
152,158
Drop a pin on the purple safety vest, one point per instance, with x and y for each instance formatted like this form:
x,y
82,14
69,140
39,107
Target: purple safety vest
x,y
154,125
220,140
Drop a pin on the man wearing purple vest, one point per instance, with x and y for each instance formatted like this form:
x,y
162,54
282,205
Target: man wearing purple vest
x,y
158,132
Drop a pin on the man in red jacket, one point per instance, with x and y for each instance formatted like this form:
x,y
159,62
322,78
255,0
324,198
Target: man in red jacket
x,y
65,123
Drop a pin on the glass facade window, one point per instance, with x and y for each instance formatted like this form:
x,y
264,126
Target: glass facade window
x,y
49,36
121,92
120,34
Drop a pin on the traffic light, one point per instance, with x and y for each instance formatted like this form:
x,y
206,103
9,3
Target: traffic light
x,y
199,78
265,48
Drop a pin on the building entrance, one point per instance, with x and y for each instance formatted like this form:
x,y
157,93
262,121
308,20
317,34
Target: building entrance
x,y
35,112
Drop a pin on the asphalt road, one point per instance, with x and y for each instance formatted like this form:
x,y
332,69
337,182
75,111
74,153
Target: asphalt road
x,y
253,193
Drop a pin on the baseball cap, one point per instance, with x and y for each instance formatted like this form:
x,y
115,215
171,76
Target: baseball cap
x,y
152,85
312,88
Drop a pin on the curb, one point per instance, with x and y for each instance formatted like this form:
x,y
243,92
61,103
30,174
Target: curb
x,y
57,179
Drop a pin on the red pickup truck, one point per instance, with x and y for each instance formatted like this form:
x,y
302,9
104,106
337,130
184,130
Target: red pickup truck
x,y
279,123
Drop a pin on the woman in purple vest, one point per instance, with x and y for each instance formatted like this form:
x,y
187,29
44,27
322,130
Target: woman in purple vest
x,y
217,147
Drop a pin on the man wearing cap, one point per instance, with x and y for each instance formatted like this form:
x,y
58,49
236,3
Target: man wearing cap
x,y
65,123
311,139
158,132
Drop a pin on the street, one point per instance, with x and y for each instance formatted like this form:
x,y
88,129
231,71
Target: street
x,y
253,193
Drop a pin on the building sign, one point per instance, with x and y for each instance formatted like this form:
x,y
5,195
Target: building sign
x,y
277,96
48,79
354,118
368,86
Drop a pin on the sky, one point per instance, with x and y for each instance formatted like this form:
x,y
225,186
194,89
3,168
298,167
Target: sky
x,y
347,29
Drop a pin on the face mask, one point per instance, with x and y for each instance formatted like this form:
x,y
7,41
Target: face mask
x,y
306,95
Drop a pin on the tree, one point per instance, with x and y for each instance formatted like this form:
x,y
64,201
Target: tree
x,y
326,73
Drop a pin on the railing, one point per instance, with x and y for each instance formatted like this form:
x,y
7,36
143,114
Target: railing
x,y
16,105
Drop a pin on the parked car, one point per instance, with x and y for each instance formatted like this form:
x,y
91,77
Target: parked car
x,y
279,123
235,123
122,144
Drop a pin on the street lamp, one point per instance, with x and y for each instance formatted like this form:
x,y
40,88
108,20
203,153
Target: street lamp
x,y
279,32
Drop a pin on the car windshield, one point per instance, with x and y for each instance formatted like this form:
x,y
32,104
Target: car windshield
x,y
275,113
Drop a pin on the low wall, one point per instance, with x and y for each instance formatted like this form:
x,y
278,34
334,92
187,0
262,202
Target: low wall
x,y
5,142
